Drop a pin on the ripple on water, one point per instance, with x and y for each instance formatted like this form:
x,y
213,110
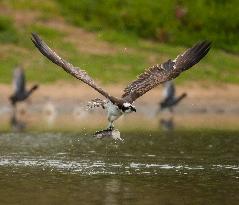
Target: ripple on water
x,y
91,167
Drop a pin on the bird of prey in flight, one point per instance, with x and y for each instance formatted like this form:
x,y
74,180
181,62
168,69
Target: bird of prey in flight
x,y
146,81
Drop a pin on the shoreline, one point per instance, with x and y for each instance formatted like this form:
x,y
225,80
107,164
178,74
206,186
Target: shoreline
x,y
76,91
62,106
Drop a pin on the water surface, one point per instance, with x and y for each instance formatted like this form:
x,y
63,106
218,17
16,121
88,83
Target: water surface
x,y
181,167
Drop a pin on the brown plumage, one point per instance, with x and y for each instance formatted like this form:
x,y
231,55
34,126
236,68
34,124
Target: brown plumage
x,y
152,77
68,67
169,70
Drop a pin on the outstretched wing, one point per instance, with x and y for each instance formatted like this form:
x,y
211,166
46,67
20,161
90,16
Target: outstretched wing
x,y
166,71
19,80
69,68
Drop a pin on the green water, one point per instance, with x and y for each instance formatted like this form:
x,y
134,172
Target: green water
x,y
183,167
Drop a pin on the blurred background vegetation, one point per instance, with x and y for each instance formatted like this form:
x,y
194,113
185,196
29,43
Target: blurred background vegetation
x,y
120,35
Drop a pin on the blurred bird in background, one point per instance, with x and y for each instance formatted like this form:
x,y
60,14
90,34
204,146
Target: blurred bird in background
x,y
16,124
167,124
20,93
170,100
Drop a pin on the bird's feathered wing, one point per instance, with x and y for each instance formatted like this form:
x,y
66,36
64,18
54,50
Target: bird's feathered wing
x,y
19,80
166,71
69,68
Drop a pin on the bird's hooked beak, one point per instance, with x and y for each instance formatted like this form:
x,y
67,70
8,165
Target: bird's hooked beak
x,y
127,108
133,108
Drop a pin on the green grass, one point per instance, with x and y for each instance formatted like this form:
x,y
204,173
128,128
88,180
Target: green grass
x,y
133,54
8,33
158,20
44,6
218,66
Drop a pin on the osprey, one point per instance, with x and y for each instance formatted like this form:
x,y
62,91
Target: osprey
x,y
146,81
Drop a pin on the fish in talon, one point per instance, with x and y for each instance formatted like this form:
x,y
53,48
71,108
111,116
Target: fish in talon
x,y
113,133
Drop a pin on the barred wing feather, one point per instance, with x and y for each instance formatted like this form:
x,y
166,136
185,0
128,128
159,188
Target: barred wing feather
x,y
68,67
169,70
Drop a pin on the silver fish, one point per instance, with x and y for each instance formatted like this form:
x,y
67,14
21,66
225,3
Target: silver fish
x,y
113,133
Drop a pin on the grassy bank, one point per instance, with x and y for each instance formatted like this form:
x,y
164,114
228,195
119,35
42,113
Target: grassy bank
x,y
108,55
176,22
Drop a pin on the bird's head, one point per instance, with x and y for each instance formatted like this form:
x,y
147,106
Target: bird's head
x,y
35,87
128,108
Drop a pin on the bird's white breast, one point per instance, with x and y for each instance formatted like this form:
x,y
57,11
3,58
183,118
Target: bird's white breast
x,y
113,111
